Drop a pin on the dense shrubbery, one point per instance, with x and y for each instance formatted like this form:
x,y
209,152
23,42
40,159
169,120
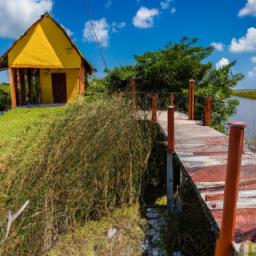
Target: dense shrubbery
x,y
5,98
79,166
169,70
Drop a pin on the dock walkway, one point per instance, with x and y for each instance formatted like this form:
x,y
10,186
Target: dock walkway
x,y
203,153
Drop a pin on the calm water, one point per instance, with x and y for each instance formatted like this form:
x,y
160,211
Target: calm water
x,y
246,112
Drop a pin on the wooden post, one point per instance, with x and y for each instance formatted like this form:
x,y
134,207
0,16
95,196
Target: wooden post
x,y
18,87
82,80
133,90
208,111
154,108
191,103
22,87
171,129
29,76
170,171
13,88
235,149
172,100
170,182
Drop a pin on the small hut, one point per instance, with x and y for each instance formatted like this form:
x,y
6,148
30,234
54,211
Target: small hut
x,y
45,66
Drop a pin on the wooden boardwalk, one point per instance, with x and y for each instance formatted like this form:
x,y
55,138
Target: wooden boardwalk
x,y
203,153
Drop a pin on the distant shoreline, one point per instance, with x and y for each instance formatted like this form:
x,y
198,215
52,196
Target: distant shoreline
x,y
249,94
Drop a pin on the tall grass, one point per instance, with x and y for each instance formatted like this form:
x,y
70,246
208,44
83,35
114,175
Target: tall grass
x,y
78,167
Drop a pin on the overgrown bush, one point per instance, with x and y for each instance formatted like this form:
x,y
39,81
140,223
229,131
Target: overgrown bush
x,y
79,167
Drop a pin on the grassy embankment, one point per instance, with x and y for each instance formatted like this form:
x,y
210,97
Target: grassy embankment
x,y
74,164
250,94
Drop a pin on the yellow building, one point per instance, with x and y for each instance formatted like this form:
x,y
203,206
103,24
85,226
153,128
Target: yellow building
x,y
45,66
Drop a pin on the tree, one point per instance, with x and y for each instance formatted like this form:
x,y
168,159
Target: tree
x,y
169,70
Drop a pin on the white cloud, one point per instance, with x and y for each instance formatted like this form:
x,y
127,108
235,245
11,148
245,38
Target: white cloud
x,y
253,59
249,9
16,16
102,29
218,46
173,10
108,3
165,4
116,26
69,32
252,73
246,43
144,17
222,63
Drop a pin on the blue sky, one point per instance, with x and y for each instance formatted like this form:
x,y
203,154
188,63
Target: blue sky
x,y
130,27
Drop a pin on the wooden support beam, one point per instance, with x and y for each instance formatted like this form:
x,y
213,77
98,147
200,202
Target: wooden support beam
x,y
29,77
22,87
12,87
82,80
18,87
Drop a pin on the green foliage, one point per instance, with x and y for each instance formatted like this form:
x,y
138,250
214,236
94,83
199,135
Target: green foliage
x,y
250,94
118,78
169,70
218,84
96,87
77,166
5,97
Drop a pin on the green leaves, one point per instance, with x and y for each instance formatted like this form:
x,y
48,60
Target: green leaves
x,y
169,70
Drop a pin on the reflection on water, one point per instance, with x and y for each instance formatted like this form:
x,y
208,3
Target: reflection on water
x,y
246,112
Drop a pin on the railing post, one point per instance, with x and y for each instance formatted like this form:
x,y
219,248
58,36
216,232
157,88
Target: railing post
x,y
208,111
235,150
171,128
172,100
170,170
154,107
191,99
133,90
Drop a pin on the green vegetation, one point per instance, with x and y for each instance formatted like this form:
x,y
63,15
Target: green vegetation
x,y
92,238
250,94
75,165
5,87
169,70
23,124
5,97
